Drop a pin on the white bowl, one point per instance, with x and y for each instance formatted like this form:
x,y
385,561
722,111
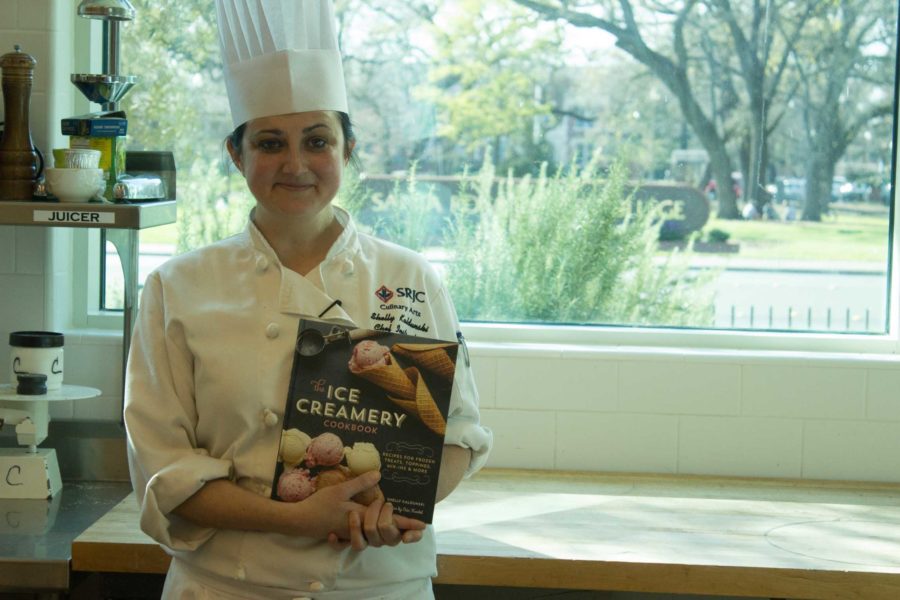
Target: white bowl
x,y
74,185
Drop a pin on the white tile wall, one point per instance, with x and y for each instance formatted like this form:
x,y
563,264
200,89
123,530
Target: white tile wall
x,y
740,446
797,391
882,395
7,250
696,413
10,10
554,383
616,442
33,14
30,250
522,439
859,450
606,409
680,387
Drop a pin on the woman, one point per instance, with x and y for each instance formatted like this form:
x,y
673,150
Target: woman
x,y
212,352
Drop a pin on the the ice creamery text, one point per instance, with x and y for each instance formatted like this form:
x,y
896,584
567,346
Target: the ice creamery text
x,y
344,403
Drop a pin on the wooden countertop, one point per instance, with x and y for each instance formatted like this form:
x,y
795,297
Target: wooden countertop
x,y
701,535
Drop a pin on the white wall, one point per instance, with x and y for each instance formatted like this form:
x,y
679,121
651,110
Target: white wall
x,y
783,414
761,414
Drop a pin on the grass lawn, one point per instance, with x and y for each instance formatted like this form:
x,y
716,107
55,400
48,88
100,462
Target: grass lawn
x,y
164,234
839,237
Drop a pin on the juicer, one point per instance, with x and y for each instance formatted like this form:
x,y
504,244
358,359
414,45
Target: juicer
x,y
151,181
30,472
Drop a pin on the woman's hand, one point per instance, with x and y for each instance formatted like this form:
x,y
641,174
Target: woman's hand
x,y
381,527
330,510
377,525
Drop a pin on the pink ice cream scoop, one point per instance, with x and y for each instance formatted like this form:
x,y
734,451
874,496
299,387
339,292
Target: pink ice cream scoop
x,y
325,450
368,354
295,485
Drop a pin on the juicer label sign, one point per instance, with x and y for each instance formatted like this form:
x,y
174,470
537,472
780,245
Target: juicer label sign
x,y
88,217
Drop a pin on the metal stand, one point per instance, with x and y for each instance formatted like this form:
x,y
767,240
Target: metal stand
x,y
125,242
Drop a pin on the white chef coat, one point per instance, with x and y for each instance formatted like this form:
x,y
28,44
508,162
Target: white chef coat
x,y
207,382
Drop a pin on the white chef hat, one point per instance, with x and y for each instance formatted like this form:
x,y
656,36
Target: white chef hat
x,y
280,57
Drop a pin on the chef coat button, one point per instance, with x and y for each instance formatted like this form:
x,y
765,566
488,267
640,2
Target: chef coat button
x,y
347,267
316,586
272,330
262,263
270,418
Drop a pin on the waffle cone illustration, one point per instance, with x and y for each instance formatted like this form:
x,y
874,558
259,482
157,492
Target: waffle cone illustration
x,y
389,377
431,357
421,403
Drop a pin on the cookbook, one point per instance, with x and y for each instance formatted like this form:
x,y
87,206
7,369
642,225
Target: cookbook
x,y
362,400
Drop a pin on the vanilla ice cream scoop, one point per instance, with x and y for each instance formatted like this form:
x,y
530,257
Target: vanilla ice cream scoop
x,y
362,458
293,446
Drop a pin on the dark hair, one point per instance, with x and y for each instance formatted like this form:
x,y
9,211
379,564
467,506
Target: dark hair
x,y
236,137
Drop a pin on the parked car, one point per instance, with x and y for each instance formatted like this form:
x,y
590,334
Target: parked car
x,y
791,190
843,190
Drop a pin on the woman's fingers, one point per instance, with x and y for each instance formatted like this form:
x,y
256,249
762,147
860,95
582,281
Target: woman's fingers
x,y
387,525
411,536
361,483
372,524
336,542
358,539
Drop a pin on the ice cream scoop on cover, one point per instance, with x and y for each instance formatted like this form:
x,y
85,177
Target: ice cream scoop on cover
x,y
293,447
295,485
362,458
325,450
368,354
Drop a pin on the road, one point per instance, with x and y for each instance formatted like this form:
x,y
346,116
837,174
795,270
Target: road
x,y
821,301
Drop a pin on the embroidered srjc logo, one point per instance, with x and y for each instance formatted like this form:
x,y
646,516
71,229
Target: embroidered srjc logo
x,y
384,294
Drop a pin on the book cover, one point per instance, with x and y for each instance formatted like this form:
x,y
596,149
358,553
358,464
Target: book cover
x,y
361,400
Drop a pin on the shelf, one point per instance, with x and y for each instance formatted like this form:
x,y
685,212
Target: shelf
x,y
122,223
65,392
88,214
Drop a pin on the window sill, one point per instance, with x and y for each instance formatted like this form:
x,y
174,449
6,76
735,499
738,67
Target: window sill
x,y
745,347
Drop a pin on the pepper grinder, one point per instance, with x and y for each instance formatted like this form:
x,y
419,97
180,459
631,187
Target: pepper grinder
x,y
20,162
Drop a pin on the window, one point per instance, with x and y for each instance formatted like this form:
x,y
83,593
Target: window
x,y
695,167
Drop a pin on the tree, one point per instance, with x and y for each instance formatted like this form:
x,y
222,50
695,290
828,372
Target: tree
x,y
761,62
384,60
842,63
489,67
741,55
177,105
673,70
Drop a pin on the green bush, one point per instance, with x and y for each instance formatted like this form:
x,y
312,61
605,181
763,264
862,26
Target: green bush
x,y
717,236
567,248
210,207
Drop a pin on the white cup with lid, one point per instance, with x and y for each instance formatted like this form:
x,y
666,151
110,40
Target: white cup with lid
x,y
37,352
